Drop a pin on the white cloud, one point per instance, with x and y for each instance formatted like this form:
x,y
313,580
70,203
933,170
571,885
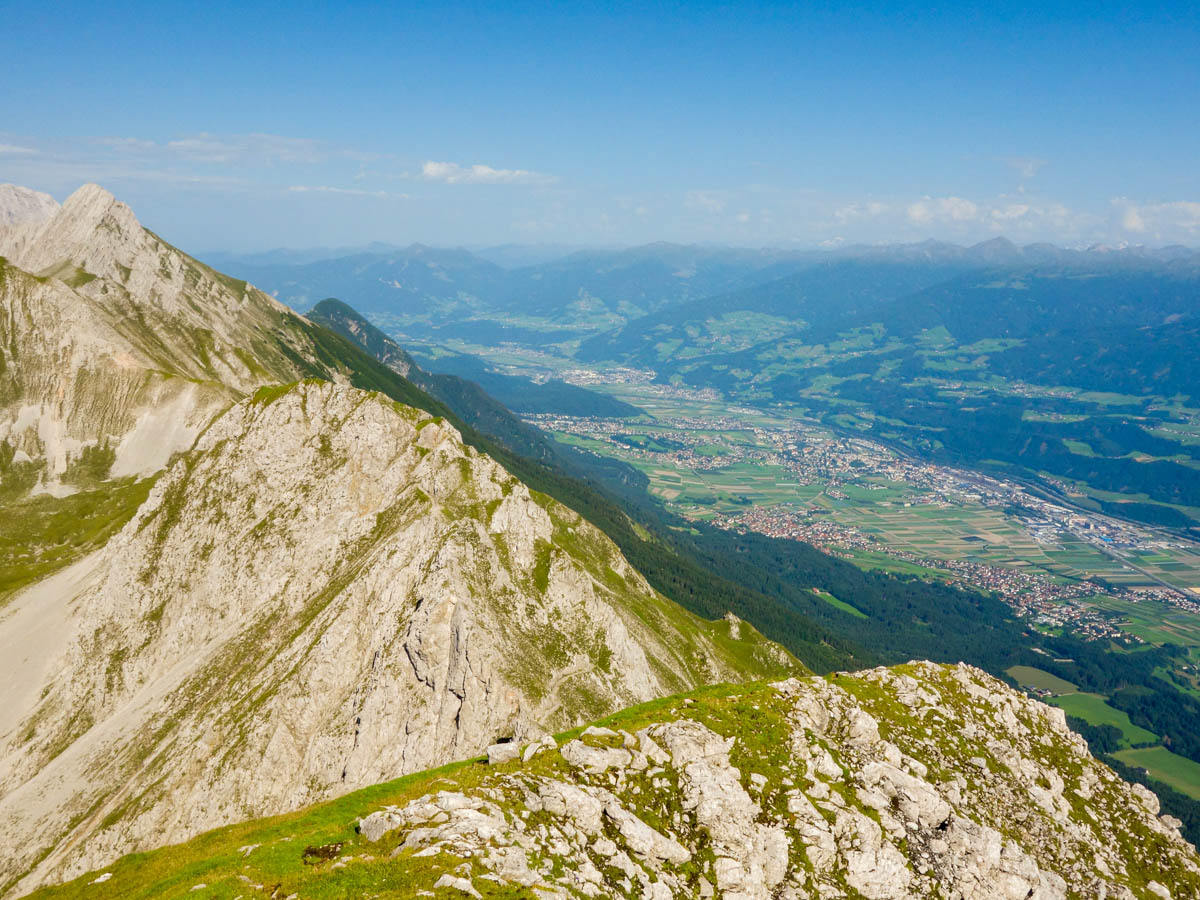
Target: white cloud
x,y
705,201
869,209
1026,166
1132,219
12,148
936,210
202,150
268,149
1010,212
125,143
1173,220
453,173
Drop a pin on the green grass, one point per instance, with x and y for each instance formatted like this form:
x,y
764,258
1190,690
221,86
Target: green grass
x,y
1094,710
1039,678
840,604
1167,767
40,535
273,857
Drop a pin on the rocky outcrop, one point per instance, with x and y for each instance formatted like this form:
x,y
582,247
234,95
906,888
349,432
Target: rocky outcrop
x,y
116,343
70,382
329,591
921,781
22,206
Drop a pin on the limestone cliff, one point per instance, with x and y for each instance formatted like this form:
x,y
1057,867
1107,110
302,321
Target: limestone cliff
x,y
22,206
113,341
330,590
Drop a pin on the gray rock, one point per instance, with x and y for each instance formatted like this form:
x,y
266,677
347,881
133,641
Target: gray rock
x,y
498,754
642,839
595,759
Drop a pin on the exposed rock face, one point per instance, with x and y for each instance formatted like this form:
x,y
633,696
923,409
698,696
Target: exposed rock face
x,y
70,381
331,590
22,206
111,337
921,781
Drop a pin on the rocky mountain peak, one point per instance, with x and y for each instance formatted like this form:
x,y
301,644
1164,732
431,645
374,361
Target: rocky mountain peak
x,y
23,206
115,338
92,232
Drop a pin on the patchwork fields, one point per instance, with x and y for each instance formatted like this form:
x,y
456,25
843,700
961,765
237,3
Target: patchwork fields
x,y
1139,748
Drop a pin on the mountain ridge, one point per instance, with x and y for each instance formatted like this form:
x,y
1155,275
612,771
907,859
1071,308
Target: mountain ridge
x,y
848,785
328,589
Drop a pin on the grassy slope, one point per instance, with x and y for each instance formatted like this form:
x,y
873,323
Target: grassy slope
x,y
1094,710
277,853
1039,678
217,858
1176,771
40,535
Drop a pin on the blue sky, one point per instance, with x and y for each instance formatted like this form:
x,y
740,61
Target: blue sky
x,y
255,125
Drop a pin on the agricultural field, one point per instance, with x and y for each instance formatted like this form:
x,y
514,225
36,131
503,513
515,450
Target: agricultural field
x,y
1094,709
703,492
1170,768
1029,676
938,530
1152,621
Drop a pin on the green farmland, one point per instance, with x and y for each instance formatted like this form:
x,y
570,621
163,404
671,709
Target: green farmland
x,y
1094,710
1169,768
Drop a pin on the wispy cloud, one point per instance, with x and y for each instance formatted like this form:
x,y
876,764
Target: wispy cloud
x,y
1027,166
453,173
1172,220
271,149
860,210
706,201
226,161
124,143
1004,214
352,192
929,210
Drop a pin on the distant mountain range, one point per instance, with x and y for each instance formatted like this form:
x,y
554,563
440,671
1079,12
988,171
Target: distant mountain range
x,y
584,285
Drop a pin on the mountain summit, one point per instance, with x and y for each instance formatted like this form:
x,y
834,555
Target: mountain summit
x,y
22,206
325,588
